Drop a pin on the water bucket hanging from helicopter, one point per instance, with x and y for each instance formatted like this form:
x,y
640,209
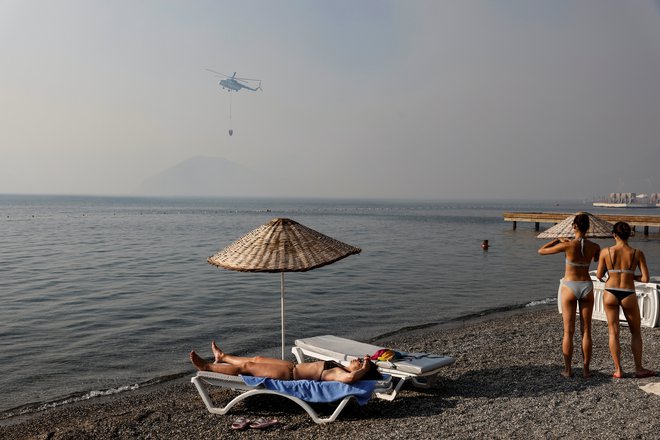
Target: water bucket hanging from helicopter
x,y
231,127
235,84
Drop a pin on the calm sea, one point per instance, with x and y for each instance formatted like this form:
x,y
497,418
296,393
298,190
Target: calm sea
x,y
103,294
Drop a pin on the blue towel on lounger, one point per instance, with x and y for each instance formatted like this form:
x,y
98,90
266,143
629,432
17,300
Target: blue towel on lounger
x,y
316,391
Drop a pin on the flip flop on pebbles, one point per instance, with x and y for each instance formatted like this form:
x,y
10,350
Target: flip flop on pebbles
x,y
241,423
263,423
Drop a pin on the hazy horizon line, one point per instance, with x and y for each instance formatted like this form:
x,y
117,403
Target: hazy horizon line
x,y
302,198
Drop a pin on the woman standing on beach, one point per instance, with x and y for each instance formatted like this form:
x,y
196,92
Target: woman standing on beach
x,y
620,262
576,289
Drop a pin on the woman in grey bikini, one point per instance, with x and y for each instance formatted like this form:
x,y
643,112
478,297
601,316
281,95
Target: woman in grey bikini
x,y
357,369
576,290
620,262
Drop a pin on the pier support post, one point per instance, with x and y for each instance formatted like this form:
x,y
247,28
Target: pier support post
x,y
646,230
514,225
536,226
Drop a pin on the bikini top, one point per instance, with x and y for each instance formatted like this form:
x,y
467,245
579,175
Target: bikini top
x,y
571,263
632,264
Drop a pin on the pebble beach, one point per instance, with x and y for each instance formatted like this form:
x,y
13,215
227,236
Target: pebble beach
x,y
505,383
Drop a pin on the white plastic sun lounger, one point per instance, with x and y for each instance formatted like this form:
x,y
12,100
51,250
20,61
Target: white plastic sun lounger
x,y
648,298
237,383
421,369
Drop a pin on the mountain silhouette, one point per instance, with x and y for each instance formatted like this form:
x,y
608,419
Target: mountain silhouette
x,y
204,176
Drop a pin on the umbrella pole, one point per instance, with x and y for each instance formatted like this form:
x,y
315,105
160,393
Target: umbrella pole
x,y
282,308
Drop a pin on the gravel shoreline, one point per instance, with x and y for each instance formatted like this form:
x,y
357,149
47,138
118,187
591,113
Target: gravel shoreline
x,y
505,384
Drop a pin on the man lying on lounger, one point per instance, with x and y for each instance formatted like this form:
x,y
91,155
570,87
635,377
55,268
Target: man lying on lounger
x,y
358,369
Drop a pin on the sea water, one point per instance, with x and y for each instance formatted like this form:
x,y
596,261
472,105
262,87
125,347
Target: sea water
x,y
105,294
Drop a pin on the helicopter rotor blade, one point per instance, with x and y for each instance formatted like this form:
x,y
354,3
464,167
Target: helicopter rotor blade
x,y
247,79
218,73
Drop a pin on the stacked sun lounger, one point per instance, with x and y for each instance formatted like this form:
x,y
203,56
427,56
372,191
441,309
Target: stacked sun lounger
x,y
421,369
648,298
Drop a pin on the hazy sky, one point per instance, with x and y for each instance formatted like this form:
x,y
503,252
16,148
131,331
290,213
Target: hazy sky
x,y
428,99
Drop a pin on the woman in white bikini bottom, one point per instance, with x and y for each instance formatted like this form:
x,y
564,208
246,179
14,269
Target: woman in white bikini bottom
x,y
576,289
580,288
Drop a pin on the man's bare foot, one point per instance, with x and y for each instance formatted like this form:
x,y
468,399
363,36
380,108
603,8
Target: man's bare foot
x,y
217,353
586,373
644,373
567,373
618,375
200,363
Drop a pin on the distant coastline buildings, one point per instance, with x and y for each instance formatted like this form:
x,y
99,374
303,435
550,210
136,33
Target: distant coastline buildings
x,y
629,200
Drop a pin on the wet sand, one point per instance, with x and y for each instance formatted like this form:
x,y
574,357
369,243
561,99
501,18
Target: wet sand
x,y
505,383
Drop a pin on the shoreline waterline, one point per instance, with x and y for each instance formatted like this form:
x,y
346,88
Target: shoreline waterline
x,y
505,383
34,408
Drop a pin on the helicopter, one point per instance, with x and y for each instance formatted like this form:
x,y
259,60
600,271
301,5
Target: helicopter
x,y
234,84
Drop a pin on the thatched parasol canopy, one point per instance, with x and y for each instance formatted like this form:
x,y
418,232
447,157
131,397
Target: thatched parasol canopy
x,y
282,245
598,228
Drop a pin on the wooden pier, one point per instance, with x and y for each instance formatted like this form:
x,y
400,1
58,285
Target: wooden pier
x,y
641,221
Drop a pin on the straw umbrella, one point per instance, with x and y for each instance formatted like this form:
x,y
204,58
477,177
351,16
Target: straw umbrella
x,y
281,245
598,228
